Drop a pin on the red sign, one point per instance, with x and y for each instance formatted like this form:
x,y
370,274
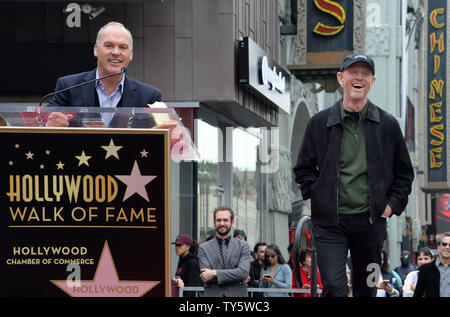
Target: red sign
x,y
443,213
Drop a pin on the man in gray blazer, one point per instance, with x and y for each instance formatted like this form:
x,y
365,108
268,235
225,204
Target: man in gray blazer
x,y
224,261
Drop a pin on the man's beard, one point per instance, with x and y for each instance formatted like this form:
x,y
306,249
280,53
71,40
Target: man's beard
x,y
225,233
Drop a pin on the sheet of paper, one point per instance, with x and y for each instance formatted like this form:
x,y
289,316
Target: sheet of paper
x,y
160,118
93,124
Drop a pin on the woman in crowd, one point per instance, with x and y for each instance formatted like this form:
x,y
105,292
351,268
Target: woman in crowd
x,y
188,269
423,256
275,272
303,280
389,283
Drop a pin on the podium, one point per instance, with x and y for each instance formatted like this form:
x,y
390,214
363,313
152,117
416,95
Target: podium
x,y
87,208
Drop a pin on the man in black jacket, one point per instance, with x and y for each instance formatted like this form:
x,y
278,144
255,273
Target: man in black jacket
x,y
256,266
354,166
434,277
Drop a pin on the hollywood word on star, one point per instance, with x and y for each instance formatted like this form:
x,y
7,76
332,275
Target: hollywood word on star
x,y
106,282
59,196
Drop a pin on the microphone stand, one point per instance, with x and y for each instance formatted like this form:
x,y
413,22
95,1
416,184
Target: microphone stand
x,y
123,70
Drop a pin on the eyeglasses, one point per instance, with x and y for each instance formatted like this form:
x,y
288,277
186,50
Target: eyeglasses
x,y
445,244
270,256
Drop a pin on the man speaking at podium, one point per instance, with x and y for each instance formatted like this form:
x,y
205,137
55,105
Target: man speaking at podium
x,y
114,51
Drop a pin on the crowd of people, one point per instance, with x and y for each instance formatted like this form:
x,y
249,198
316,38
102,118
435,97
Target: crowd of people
x,y
268,268
264,267
225,266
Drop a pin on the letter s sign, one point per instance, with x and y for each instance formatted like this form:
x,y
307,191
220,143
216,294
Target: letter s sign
x,y
336,10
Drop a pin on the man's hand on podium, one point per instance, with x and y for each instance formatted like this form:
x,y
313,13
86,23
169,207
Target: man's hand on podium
x,y
59,119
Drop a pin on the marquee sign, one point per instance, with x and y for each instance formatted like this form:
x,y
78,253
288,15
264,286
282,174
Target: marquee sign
x,y
329,26
333,9
262,76
271,77
436,82
85,212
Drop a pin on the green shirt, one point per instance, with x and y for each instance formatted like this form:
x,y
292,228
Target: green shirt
x,y
353,184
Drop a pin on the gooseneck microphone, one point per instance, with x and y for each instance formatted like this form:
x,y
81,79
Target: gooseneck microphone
x,y
123,70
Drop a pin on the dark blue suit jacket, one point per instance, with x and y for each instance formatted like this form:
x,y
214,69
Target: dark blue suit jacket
x,y
135,94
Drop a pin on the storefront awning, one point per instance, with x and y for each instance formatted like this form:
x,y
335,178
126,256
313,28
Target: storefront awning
x,y
435,190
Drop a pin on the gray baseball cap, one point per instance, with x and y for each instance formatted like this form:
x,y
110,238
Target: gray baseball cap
x,y
357,57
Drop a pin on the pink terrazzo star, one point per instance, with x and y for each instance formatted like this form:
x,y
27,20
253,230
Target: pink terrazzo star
x,y
135,182
106,282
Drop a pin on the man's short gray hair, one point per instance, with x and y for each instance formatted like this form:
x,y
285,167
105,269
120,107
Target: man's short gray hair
x,y
440,237
97,40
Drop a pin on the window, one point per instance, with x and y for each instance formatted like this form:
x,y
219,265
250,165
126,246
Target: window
x,y
208,199
246,183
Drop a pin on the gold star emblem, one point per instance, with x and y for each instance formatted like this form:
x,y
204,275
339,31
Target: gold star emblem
x,y
29,155
11,163
111,149
83,159
41,166
60,165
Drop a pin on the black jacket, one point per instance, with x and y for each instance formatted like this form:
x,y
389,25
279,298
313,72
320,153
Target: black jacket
x,y
389,168
428,282
255,274
188,270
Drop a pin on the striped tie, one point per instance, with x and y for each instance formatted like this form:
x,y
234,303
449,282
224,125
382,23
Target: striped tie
x,y
224,251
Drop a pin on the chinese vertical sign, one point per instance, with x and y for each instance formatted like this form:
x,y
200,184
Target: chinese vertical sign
x,y
436,82
84,212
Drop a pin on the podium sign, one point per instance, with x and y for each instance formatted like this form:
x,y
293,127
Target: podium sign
x,y
85,212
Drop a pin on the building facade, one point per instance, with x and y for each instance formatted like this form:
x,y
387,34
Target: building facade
x,y
189,49
248,136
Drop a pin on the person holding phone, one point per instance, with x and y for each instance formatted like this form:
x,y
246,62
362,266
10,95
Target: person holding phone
x,y
388,284
275,272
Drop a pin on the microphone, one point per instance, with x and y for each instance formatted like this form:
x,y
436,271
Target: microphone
x,y
123,70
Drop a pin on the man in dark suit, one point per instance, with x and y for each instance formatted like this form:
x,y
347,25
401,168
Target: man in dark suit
x,y
224,261
114,51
